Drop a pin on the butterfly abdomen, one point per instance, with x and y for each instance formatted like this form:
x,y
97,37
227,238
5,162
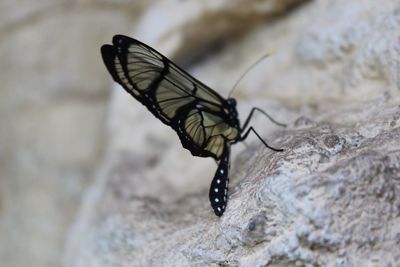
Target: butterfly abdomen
x,y
219,186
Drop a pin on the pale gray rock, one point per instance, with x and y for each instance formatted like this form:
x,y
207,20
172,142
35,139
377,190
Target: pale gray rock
x,y
330,199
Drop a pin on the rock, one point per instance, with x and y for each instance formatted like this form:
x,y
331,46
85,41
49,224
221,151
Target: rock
x,y
330,199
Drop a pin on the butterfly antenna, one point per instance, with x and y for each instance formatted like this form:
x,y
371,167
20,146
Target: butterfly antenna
x,y
247,71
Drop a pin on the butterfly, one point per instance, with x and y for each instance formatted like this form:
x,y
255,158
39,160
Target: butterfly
x,y
207,124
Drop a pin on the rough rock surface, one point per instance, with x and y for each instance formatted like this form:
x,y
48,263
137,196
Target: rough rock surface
x,y
330,199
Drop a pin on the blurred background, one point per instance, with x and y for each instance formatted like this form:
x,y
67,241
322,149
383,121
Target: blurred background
x,y
54,95
61,120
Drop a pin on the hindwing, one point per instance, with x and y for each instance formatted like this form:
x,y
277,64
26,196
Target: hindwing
x,y
204,132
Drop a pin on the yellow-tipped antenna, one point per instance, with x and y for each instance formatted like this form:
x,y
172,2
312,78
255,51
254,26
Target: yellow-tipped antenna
x,y
268,54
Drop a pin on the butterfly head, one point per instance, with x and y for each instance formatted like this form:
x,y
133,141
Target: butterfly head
x,y
231,108
231,112
231,102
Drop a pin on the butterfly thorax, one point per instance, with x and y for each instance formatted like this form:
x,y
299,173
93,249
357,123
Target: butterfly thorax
x,y
232,114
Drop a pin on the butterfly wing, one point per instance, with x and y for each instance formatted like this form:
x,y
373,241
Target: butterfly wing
x,y
193,110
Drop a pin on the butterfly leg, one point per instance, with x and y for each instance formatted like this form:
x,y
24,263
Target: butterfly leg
x,y
219,186
263,112
259,137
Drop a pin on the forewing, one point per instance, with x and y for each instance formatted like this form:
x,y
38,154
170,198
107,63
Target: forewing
x,y
154,80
